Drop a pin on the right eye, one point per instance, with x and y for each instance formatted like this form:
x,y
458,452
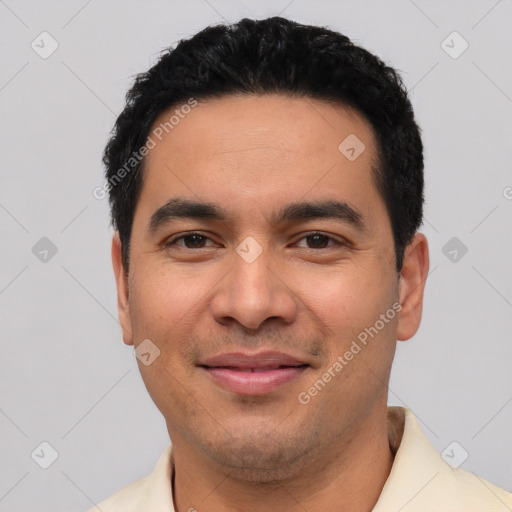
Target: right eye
x,y
191,240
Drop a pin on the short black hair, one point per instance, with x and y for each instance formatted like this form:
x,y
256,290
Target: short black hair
x,y
273,55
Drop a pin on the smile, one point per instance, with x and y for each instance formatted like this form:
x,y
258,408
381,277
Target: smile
x,y
257,374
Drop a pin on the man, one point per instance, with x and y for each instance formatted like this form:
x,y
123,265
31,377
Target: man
x,y
266,186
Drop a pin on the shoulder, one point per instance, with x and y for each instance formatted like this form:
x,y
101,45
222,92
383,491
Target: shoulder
x,y
476,493
421,479
127,499
152,492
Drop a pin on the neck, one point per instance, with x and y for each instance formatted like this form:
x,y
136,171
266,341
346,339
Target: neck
x,y
350,473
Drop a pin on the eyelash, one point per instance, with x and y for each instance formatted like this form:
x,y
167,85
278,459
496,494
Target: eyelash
x,y
172,241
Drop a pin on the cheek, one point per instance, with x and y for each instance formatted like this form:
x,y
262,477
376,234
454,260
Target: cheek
x,y
163,309
162,301
349,299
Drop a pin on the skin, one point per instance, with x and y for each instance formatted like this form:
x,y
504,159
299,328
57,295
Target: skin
x,y
253,155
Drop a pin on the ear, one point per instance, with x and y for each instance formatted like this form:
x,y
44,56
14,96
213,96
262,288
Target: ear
x,y
123,304
411,286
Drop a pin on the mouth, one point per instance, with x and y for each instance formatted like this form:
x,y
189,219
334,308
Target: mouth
x,y
256,374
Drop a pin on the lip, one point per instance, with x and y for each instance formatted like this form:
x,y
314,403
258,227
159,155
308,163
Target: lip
x,y
253,374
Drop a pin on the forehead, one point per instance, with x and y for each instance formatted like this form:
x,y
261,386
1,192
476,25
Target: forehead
x,y
238,149
232,124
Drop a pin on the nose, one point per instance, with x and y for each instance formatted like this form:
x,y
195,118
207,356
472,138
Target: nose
x,y
252,293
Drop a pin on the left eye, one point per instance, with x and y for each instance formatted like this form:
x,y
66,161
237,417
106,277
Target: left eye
x,y
319,240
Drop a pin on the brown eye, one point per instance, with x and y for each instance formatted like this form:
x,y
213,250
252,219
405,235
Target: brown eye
x,y
319,241
190,241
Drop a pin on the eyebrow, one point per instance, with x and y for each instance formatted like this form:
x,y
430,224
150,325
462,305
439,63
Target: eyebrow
x,y
182,208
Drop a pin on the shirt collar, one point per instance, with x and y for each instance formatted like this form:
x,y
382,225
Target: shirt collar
x,y
419,475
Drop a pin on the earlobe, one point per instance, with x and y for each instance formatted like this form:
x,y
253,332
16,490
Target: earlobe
x,y
412,285
123,305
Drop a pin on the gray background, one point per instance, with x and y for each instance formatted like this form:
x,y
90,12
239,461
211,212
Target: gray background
x,y
66,377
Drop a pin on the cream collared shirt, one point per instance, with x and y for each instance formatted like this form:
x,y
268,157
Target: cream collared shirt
x,y
419,481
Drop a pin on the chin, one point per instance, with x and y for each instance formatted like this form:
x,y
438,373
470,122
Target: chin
x,y
260,457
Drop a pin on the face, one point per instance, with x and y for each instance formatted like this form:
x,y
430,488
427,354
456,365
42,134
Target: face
x,y
262,268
